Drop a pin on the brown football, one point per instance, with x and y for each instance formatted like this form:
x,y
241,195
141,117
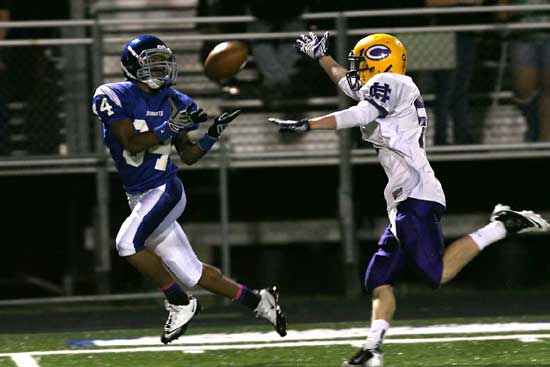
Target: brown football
x,y
225,60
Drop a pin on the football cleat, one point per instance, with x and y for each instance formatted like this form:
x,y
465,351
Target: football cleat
x,y
268,308
366,358
519,222
179,317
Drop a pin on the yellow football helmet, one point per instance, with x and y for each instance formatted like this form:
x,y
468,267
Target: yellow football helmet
x,y
374,54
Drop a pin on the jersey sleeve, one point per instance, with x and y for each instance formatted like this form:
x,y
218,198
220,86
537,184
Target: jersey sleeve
x,y
107,105
358,115
378,98
383,92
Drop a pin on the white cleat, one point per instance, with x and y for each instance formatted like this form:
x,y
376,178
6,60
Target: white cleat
x,y
179,317
268,308
366,358
519,222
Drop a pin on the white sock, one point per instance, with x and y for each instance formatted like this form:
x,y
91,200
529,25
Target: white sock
x,y
377,331
491,233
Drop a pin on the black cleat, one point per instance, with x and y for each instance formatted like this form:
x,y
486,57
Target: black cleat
x,y
366,358
518,222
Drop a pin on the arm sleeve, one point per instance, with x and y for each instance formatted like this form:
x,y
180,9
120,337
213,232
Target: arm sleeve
x,y
107,105
379,98
344,86
354,116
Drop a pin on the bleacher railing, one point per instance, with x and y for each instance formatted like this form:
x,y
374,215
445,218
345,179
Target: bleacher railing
x,y
75,64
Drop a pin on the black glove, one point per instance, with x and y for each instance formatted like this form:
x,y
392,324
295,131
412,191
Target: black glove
x,y
294,126
221,122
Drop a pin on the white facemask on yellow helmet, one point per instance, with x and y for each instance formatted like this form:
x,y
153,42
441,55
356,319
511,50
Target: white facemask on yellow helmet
x,y
375,54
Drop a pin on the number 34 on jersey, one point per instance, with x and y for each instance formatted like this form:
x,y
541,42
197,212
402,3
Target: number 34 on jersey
x,y
163,150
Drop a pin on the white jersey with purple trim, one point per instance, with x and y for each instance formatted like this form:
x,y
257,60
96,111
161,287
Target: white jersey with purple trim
x,y
391,116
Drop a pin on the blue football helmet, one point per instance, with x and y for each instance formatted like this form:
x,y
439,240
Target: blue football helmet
x,y
147,59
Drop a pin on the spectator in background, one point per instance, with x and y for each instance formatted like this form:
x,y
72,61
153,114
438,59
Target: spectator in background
x,y
5,140
452,87
530,63
276,60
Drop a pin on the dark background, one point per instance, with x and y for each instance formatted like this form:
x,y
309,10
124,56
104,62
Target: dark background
x,y
45,217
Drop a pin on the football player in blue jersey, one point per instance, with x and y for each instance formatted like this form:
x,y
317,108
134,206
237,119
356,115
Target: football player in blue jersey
x,y
142,118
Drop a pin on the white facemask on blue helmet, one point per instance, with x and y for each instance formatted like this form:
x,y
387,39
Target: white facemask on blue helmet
x,y
147,59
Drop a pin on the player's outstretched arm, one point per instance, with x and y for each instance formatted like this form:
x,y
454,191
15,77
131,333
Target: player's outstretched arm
x,y
316,47
304,125
333,69
362,114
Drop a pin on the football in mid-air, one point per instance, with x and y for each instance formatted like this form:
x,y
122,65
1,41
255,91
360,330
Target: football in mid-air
x,y
225,60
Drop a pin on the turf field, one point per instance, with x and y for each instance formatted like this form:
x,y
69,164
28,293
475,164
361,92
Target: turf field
x,y
488,341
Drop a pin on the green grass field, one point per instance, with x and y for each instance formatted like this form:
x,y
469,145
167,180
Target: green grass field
x,y
509,345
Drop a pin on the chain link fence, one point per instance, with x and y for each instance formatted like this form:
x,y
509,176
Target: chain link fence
x,y
44,93
33,95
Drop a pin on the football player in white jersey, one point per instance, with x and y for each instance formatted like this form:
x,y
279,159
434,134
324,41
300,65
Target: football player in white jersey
x,y
391,115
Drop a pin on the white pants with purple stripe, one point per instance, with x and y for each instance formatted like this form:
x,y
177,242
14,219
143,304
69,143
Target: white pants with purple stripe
x,y
153,224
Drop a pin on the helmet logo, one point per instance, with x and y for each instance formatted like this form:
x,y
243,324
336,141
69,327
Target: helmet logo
x,y
377,52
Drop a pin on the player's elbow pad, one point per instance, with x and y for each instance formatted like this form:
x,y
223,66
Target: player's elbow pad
x,y
354,116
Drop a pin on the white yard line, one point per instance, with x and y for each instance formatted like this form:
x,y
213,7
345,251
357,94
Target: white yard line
x,y
300,339
24,360
317,334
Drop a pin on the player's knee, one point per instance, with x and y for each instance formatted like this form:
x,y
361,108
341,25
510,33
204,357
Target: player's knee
x,y
190,277
125,248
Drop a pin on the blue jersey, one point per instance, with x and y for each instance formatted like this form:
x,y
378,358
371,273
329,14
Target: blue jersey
x,y
125,100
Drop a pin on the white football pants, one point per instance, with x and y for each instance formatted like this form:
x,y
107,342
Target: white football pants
x,y
153,224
